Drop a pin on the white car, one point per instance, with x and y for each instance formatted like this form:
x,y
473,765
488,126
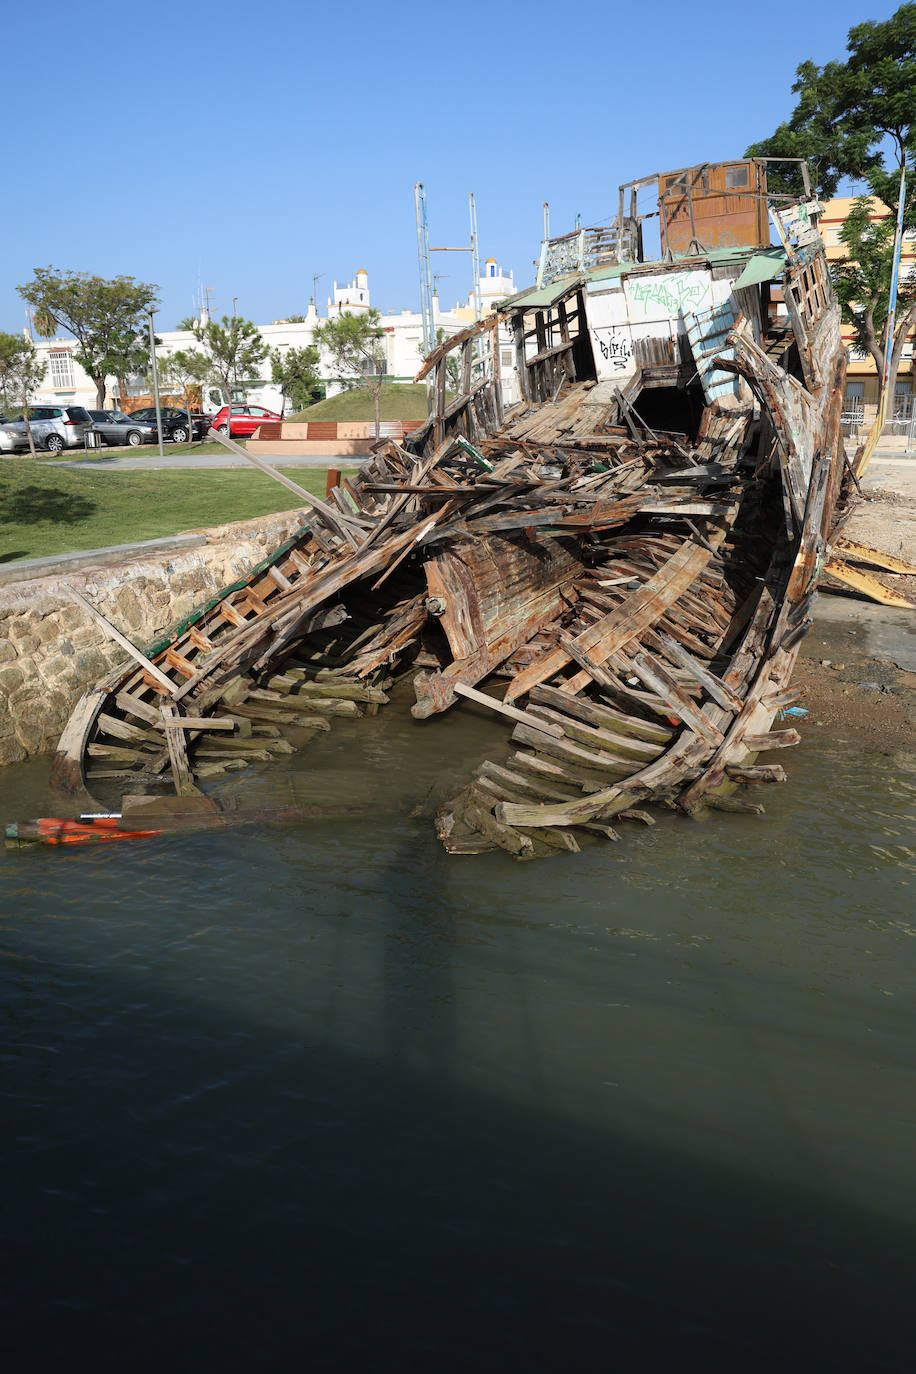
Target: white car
x,y
53,428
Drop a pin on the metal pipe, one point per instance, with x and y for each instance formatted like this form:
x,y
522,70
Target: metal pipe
x,y
895,277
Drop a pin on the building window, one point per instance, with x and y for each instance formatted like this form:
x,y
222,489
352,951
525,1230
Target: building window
x,y
855,401
734,177
61,371
505,357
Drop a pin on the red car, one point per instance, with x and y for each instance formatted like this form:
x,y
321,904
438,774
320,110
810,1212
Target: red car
x,y
245,419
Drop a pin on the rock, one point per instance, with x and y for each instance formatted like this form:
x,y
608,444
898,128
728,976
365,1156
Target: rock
x,y
11,678
869,686
21,627
11,751
31,735
49,630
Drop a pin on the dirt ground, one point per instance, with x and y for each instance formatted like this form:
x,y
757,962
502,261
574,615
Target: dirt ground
x,y
858,668
858,663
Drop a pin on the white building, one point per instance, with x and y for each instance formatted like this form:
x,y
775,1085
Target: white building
x,y
65,381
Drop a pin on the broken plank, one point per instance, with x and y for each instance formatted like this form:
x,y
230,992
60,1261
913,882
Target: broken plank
x,y
676,700
494,704
622,746
478,815
761,772
594,761
594,713
713,686
637,612
775,739
199,723
125,643
182,776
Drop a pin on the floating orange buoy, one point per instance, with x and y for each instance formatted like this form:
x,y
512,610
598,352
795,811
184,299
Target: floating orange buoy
x,y
64,830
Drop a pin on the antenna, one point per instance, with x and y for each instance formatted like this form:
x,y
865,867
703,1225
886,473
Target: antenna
x,y
316,278
426,277
475,255
424,250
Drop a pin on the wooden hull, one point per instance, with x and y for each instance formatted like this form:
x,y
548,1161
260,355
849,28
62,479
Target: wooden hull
x,y
641,589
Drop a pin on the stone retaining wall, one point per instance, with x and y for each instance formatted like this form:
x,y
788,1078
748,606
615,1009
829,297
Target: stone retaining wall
x,y
50,650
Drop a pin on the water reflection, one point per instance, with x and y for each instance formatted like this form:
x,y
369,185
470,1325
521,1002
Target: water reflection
x,y
320,1092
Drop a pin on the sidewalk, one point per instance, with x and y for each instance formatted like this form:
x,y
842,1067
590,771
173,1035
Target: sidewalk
x,y
147,462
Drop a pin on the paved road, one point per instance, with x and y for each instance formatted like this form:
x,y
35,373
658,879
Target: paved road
x,y
146,462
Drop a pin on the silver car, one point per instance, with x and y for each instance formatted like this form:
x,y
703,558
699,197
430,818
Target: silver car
x,y
53,428
117,428
9,439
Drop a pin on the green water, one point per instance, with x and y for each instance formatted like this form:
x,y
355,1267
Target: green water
x,y
320,1095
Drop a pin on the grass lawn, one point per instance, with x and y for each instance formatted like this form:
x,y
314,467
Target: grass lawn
x,y
61,510
399,402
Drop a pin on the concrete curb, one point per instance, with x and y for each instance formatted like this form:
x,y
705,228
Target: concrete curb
x,y
28,569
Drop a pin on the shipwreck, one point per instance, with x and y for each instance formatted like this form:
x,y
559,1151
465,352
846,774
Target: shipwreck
x,y
621,563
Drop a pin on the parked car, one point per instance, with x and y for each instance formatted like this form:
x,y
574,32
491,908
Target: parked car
x,y
116,428
245,419
9,439
53,428
201,423
177,425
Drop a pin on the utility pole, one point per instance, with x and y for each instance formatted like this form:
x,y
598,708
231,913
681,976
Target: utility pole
x,y
154,367
546,221
235,365
428,328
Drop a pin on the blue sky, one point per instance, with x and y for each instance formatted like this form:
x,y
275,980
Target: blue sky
x,y
319,119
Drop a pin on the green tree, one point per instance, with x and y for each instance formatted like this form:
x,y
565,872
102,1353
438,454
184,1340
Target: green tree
x,y
189,323
452,363
357,353
862,282
20,373
184,372
105,317
854,118
232,352
295,371
857,119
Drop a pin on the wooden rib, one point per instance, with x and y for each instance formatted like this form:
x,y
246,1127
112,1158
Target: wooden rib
x,y
676,700
636,613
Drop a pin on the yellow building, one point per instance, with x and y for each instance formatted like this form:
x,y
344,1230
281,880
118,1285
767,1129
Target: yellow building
x,y
861,377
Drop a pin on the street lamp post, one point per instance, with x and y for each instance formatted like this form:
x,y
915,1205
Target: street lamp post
x,y
235,364
154,367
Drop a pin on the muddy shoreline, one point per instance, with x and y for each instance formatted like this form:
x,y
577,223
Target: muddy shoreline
x,y
858,668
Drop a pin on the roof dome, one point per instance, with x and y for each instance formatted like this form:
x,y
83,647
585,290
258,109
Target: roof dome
x,y
490,260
